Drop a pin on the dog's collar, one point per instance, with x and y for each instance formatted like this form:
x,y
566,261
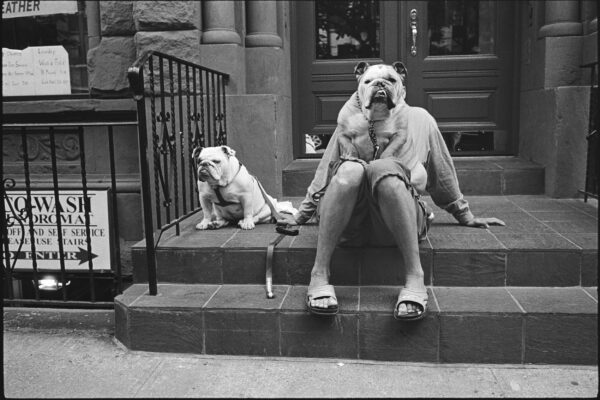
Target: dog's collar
x,y
222,202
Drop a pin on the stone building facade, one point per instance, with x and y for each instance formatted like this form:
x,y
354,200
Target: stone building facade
x,y
255,42
250,41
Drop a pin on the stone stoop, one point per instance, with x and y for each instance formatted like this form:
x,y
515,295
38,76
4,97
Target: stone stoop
x,y
524,293
516,325
500,175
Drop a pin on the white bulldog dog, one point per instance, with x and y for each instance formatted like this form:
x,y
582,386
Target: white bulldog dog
x,y
228,193
380,98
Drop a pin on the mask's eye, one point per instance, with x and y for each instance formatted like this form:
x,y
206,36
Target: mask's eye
x,y
392,80
367,81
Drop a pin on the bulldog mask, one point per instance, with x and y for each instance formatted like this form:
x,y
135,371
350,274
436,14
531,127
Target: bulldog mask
x,y
227,191
380,88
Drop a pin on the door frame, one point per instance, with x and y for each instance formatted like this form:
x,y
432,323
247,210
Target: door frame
x,y
389,52
401,46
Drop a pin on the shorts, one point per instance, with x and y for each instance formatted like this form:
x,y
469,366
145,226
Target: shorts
x,y
366,226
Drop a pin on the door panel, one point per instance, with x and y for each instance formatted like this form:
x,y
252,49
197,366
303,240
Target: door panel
x,y
461,71
323,82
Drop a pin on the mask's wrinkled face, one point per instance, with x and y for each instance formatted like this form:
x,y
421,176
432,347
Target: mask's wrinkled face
x,y
380,87
212,162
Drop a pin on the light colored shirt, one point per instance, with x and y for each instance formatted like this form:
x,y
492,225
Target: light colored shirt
x,y
425,154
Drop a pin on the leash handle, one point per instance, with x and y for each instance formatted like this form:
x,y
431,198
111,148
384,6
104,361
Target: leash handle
x,y
283,230
287,229
269,266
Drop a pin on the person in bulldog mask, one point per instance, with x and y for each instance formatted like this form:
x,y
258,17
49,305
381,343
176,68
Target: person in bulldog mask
x,y
366,191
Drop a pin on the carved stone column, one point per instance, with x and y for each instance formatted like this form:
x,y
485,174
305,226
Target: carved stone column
x,y
562,19
218,19
589,16
261,22
92,11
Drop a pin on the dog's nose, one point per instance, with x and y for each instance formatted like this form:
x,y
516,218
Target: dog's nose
x,y
205,163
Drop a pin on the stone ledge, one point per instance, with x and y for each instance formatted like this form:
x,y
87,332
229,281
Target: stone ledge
x,y
476,176
239,320
34,106
538,247
56,318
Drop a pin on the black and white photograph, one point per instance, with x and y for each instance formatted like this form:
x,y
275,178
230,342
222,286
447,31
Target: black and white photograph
x,y
299,199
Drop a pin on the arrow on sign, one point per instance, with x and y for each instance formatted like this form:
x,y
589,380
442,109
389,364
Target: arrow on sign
x,y
85,256
82,255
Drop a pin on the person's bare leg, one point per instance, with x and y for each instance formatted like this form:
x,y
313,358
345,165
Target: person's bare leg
x,y
336,209
397,208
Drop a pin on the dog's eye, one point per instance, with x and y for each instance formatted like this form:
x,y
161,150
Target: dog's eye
x,y
392,80
216,161
368,81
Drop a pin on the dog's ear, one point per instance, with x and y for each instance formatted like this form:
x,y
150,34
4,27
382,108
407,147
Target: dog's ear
x,y
360,69
401,70
195,153
229,152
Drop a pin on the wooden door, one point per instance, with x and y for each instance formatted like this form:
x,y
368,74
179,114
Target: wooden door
x,y
460,66
460,69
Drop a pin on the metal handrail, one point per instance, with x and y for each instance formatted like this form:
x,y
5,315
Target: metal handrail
x,y
171,154
591,173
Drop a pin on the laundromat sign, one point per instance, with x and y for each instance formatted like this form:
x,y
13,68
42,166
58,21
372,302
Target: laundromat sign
x,y
16,9
71,204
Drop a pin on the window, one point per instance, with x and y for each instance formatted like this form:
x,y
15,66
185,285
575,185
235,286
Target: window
x,y
458,27
60,23
347,29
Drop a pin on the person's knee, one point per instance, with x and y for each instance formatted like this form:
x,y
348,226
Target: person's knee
x,y
349,174
392,186
381,165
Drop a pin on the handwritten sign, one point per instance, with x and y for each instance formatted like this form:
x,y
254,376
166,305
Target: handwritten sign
x,y
17,73
46,235
35,71
16,9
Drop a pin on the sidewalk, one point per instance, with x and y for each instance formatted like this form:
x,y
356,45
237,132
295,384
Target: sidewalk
x,y
64,363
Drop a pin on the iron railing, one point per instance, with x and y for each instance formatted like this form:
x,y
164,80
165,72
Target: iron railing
x,y
45,209
593,151
180,105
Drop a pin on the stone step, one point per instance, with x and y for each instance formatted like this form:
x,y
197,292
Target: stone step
x,y
546,242
476,175
516,325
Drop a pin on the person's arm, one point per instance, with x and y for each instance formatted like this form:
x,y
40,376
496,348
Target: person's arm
x,y
442,182
309,205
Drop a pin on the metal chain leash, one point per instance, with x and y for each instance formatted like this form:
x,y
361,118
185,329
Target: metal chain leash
x,y
372,135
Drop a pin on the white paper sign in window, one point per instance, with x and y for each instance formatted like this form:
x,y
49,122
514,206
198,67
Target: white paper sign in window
x,y
35,71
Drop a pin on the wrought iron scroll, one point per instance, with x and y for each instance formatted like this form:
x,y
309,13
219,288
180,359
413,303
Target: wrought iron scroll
x,y
176,126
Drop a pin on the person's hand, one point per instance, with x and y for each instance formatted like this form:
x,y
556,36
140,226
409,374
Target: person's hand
x,y
287,219
484,222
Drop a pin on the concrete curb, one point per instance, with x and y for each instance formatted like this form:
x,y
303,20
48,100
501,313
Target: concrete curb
x,y
57,318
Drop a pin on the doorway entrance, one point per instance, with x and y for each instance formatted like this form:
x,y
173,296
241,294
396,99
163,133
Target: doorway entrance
x,y
459,55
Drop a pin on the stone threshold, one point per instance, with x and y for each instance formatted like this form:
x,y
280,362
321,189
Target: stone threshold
x,y
489,175
546,242
517,325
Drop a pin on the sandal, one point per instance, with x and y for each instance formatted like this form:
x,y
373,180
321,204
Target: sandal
x,y
319,292
418,297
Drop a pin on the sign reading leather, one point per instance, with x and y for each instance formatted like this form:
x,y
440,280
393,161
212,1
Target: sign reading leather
x,y
71,205
16,9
